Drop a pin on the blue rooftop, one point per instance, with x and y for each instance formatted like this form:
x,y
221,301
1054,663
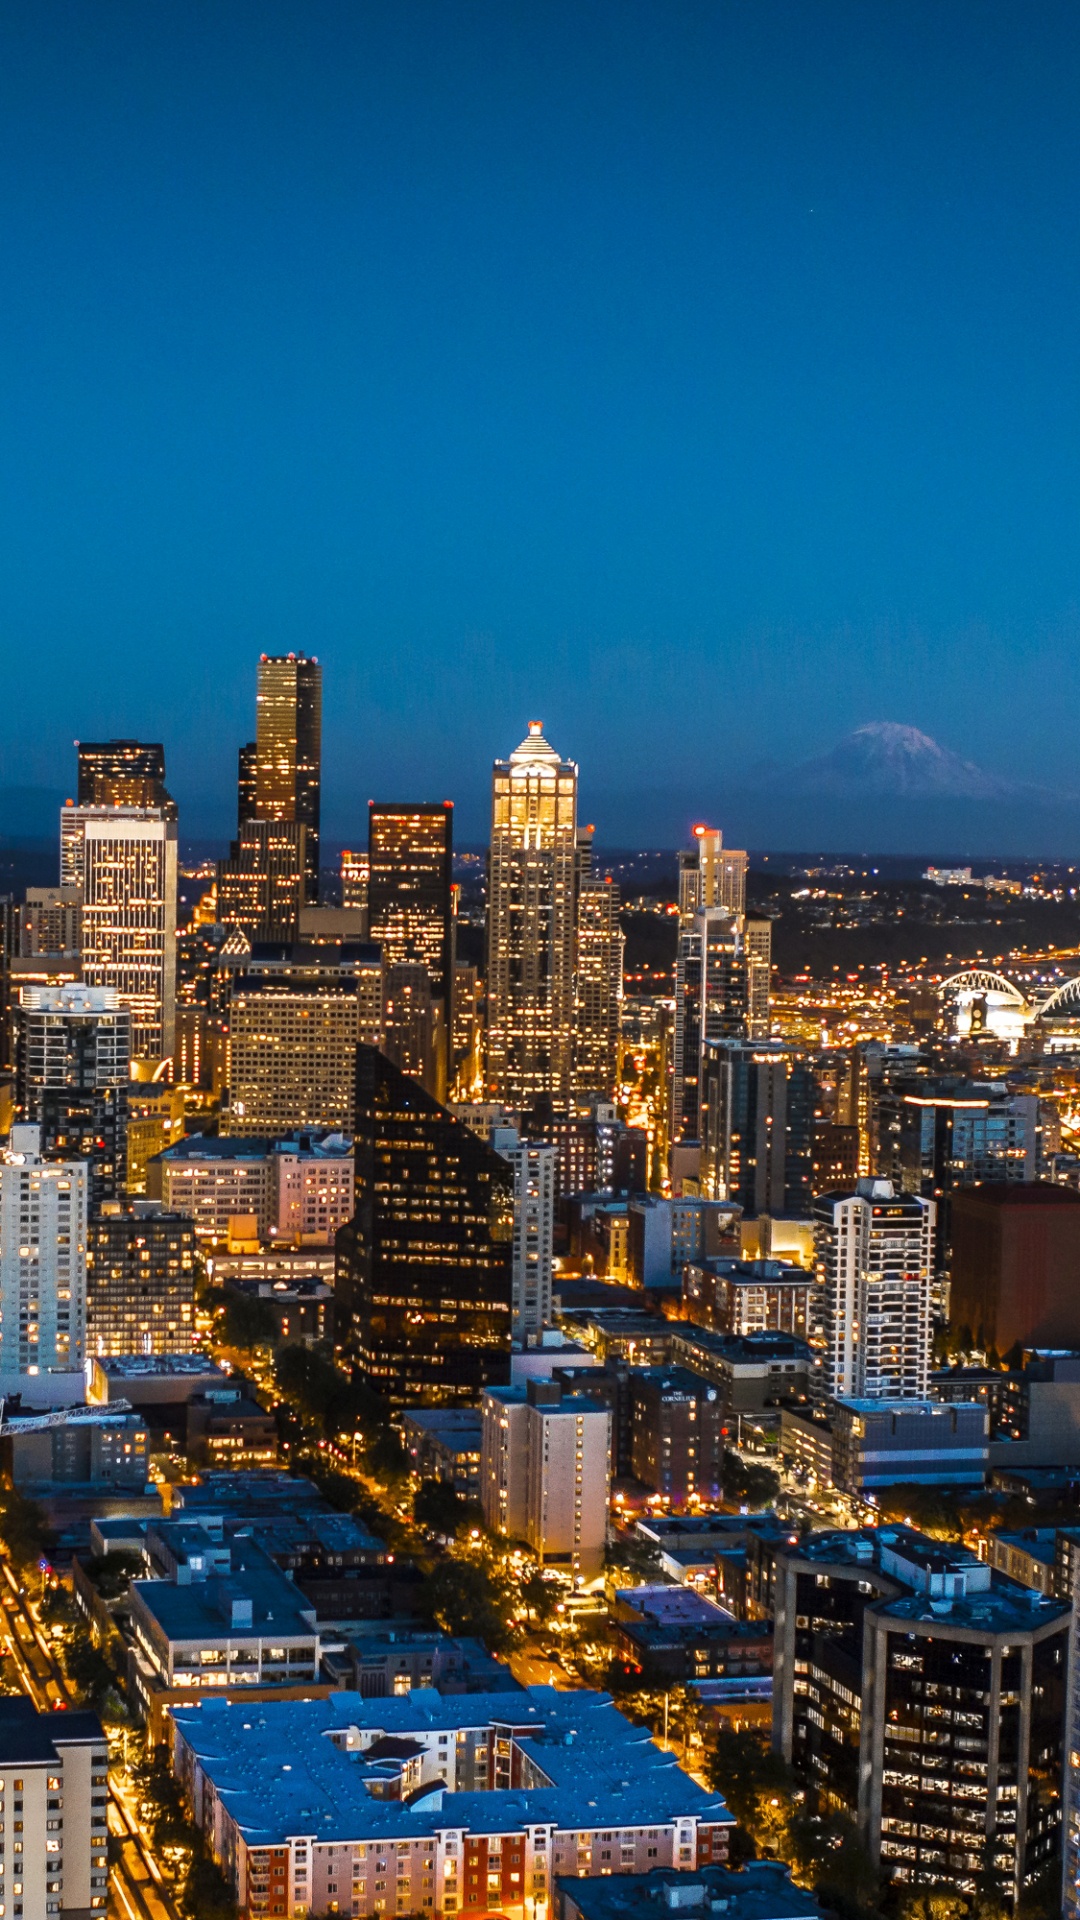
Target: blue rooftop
x,y
283,1769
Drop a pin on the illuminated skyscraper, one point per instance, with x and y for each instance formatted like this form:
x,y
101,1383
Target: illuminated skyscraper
x,y
710,1004
757,1126
757,933
355,873
262,885
598,980
413,1027
296,1016
875,1258
534,1166
43,1218
124,861
722,968
288,748
122,773
410,876
530,934
711,875
73,1059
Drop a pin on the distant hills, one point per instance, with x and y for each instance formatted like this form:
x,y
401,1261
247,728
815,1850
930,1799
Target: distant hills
x,y
884,788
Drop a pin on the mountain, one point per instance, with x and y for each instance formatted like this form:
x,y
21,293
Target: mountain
x,y
885,788
889,761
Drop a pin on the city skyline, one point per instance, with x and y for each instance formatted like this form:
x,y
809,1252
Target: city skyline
x,y
722,351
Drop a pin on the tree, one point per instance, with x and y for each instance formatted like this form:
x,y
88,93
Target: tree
x,y
207,1894
749,1484
465,1599
248,1322
831,1856
439,1508
24,1529
325,1396
89,1673
757,1784
386,1459
932,1903
540,1597
113,1572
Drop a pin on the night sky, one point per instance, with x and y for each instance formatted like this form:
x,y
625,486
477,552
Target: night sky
x,y
702,379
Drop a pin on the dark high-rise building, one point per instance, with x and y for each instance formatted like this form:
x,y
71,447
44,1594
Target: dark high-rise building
x,y
122,773
246,763
1015,1268
413,1028
73,1052
924,1694
288,749
410,877
262,885
423,1269
596,1151
677,1426
711,1003
140,1280
757,1125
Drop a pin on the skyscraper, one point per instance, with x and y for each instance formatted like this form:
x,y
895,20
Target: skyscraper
x,y
711,1003
122,773
410,877
140,1280
355,873
423,1268
757,1126
545,1472
722,968
262,885
413,1030
296,1016
875,1257
73,1051
124,861
43,1220
288,749
530,933
757,933
534,1167
598,978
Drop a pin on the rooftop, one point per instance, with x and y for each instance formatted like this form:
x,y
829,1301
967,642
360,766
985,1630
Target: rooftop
x,y
666,1605
754,1273
27,1736
762,1890
135,1366
600,1767
1004,1606
444,1421
303,1145
255,1601
257,1488
743,1346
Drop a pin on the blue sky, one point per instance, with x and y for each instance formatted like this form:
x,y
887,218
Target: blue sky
x,y
700,378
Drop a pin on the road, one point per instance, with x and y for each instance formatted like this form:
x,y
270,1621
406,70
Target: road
x,y
137,1890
